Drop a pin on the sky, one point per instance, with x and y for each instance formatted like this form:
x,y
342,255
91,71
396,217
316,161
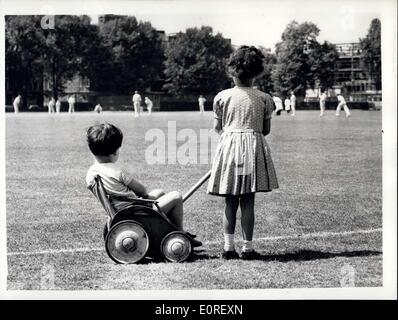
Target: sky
x,y
259,22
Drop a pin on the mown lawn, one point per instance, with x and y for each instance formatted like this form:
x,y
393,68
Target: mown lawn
x,y
330,175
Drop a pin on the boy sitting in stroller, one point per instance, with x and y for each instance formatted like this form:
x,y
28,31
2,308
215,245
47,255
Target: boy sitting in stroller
x,y
104,141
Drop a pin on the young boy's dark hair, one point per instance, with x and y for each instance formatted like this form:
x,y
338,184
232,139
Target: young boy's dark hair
x,y
104,139
246,63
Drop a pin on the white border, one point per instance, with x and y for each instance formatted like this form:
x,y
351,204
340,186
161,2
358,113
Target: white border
x,y
388,9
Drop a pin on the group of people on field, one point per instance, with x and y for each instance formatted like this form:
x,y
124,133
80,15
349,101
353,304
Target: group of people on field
x,y
53,105
137,100
341,104
290,104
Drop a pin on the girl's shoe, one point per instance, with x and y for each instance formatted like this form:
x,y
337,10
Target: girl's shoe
x,y
193,236
251,255
228,255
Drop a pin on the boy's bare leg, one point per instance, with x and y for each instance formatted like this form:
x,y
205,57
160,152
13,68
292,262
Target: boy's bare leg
x,y
171,205
155,194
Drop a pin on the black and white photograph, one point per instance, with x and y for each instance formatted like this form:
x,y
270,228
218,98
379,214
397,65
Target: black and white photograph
x,y
199,149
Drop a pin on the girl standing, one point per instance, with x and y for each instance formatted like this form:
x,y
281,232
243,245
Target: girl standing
x,y
242,164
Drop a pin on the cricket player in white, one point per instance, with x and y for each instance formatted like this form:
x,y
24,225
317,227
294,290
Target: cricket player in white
x,y
58,106
98,108
16,103
201,101
287,105
342,104
322,103
293,103
149,104
51,106
71,102
137,103
278,104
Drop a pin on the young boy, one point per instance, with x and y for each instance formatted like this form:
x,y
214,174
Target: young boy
x,y
104,141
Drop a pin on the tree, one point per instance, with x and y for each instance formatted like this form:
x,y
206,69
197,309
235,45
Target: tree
x,y
264,82
371,52
67,50
23,55
196,62
293,70
322,61
137,54
56,55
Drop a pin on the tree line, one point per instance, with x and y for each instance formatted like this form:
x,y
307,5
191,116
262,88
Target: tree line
x,y
121,54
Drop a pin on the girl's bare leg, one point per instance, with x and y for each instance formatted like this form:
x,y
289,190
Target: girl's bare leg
x,y
229,219
247,219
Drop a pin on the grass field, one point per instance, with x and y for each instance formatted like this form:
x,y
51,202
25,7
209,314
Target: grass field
x,y
327,214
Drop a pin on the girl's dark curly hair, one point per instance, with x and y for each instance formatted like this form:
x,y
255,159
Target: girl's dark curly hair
x,y
246,63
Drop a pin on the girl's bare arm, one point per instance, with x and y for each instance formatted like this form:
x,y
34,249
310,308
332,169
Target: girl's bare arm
x,y
267,127
217,125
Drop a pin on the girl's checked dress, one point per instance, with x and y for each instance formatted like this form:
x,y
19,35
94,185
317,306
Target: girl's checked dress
x,y
242,162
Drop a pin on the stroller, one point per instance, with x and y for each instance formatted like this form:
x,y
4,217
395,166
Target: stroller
x,y
142,229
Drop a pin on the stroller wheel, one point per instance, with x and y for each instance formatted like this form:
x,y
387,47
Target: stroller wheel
x,y
176,247
127,242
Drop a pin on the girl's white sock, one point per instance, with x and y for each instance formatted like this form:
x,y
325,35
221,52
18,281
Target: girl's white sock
x,y
229,244
247,246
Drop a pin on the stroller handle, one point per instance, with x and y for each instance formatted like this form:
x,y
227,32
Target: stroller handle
x,y
196,186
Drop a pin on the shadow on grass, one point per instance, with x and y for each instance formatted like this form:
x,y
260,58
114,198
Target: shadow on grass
x,y
308,255
302,255
197,255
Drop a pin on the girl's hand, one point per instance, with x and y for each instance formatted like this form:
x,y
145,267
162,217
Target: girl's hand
x,y
266,127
